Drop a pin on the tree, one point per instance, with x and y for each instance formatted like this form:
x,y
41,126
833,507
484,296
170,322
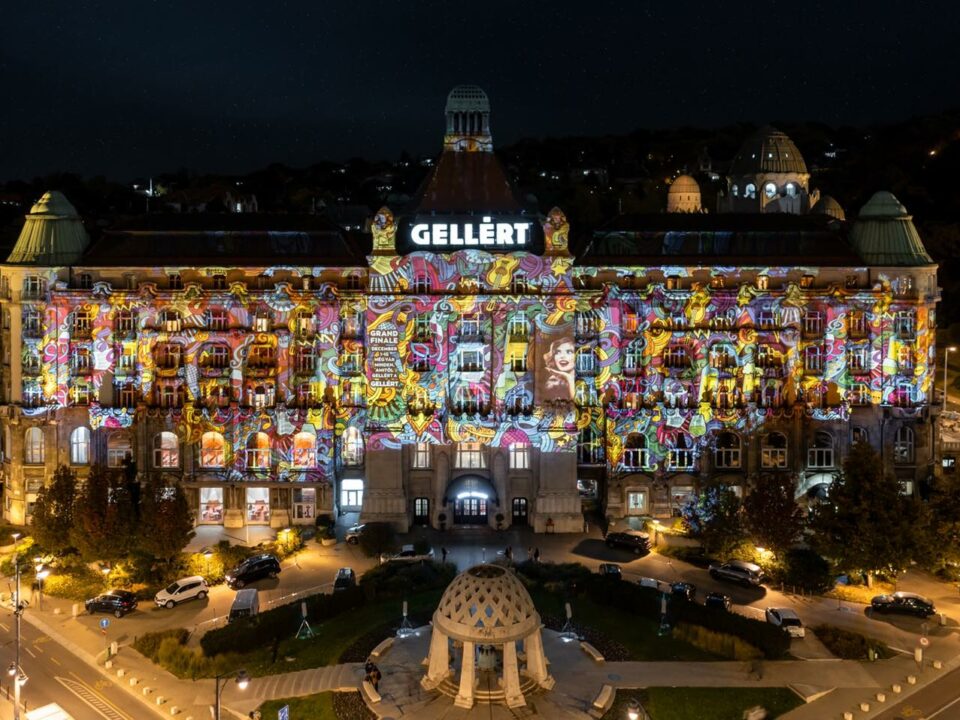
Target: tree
x,y
945,521
771,514
713,517
165,525
865,523
53,511
103,528
377,538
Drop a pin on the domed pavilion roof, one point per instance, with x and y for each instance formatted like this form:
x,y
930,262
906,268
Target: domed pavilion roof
x,y
827,205
53,234
768,151
486,604
884,233
684,184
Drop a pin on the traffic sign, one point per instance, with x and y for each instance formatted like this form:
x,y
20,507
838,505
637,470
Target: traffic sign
x,y
284,713
104,623
924,641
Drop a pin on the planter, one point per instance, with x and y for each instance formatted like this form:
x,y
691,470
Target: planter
x,y
327,541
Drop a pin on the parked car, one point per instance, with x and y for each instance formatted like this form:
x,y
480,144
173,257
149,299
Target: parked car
x,y
658,585
346,578
407,554
610,570
188,588
684,590
353,534
717,601
904,602
787,619
246,604
253,568
118,602
637,542
738,571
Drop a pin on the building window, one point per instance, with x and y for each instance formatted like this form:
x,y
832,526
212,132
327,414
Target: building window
x,y
768,357
681,457
80,362
518,329
750,191
726,455
175,281
905,359
722,356
859,394
261,356
773,451
126,393
305,360
216,319
170,321
33,287
81,324
859,435
353,282
820,453
421,510
31,362
350,325
80,446
309,395
170,394
219,282
470,326
32,323
586,361
856,324
470,455
166,450
262,322
812,359
635,453
261,396
81,393
767,319
352,392
518,361
119,450
633,358
305,450
352,447
215,394
84,281
421,361
589,447
215,357
421,328
351,493
813,323
857,359
902,396
126,322
304,323
33,446
903,447
675,357
421,455
258,451
636,502
519,285
519,456
167,356
905,325
421,284
212,450
471,361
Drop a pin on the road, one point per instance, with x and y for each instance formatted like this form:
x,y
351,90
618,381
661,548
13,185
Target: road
x,y
938,701
57,676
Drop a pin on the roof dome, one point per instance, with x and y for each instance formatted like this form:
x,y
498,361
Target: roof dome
x,y
486,603
768,151
826,205
467,98
683,195
684,184
884,233
53,234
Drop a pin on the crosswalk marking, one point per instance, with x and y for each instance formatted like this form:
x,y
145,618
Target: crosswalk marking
x,y
101,705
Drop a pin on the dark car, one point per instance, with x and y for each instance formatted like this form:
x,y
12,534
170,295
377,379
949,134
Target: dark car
x,y
118,602
638,542
717,601
253,568
346,578
738,571
904,602
684,590
610,570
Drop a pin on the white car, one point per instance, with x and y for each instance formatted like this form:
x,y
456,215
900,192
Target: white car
x,y
188,588
407,554
353,533
787,619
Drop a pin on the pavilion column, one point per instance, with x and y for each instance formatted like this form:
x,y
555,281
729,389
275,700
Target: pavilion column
x,y
511,676
536,660
464,697
439,656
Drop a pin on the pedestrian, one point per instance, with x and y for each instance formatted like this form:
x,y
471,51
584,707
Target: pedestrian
x,y
530,552
375,678
443,554
536,555
508,553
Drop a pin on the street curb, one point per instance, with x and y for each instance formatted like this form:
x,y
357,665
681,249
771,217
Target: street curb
x,y
87,658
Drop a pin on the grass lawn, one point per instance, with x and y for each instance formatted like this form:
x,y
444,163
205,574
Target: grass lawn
x,y
637,634
315,707
704,703
861,593
334,636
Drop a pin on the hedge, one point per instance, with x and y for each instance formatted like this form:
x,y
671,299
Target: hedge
x,y
849,645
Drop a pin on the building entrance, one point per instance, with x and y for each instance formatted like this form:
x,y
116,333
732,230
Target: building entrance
x,y
470,511
471,497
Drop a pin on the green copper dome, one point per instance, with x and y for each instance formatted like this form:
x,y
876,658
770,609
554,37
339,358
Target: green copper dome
x,y
53,234
884,234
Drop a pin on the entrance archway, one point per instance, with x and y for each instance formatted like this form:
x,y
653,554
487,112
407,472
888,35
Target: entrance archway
x,y
520,508
471,497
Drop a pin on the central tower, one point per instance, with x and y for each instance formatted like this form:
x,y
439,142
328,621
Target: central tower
x,y
468,120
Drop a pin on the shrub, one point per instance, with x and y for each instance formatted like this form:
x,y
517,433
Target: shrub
x,y
806,569
689,554
148,645
378,538
396,580
559,576
76,584
728,646
849,645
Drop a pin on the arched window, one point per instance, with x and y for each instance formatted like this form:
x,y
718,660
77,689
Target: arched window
x,y
258,451
633,358
682,457
903,447
212,450
726,455
820,453
305,450
519,456
635,451
352,447
80,446
119,450
750,191
812,359
170,320
773,451
33,446
166,450
770,190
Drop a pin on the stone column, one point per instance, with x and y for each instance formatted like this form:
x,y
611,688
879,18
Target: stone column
x,y
537,661
464,697
439,658
511,676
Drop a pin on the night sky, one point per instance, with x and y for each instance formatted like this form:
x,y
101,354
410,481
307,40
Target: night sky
x,y
134,88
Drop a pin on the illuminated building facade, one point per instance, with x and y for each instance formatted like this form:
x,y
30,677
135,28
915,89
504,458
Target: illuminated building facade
x,y
461,363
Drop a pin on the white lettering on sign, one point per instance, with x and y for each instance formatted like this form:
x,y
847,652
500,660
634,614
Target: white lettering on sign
x,y
470,234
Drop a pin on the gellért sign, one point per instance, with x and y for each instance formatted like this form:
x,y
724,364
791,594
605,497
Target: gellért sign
x,y
494,234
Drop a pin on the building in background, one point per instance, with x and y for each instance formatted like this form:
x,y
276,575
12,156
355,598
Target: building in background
x,y
459,365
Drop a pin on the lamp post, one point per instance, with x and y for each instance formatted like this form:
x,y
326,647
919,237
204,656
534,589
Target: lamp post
x,y
946,363
242,680
41,576
15,671
633,710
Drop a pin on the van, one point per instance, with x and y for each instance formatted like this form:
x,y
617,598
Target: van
x,y
246,604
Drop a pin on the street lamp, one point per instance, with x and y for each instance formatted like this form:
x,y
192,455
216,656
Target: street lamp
x,y
946,363
242,680
41,576
633,710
